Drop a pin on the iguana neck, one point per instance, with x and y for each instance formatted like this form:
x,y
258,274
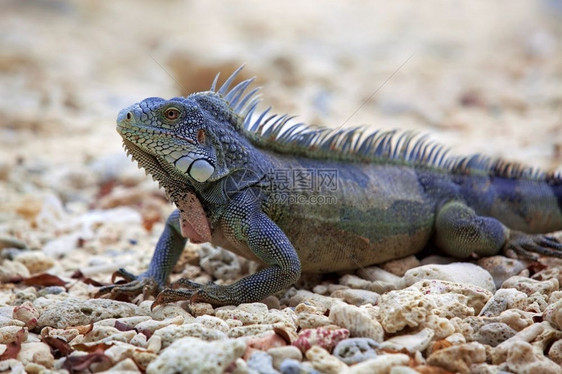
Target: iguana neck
x,y
162,172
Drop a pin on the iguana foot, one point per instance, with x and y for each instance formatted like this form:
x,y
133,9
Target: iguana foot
x,y
134,285
183,289
528,246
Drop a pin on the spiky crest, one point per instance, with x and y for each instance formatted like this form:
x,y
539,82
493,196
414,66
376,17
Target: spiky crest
x,y
354,144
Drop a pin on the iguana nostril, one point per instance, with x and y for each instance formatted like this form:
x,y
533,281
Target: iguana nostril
x,y
129,115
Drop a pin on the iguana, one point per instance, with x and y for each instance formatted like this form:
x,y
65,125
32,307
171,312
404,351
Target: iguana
x,y
309,199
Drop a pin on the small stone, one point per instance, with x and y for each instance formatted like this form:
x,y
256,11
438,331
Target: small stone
x,y
323,303
203,357
501,268
248,314
263,343
127,366
213,323
12,271
523,358
218,262
380,364
494,333
401,266
106,334
164,312
357,320
152,325
290,366
261,362
458,358
530,286
553,314
323,337
26,313
171,333
8,334
280,354
504,299
555,352
201,309
357,297
77,312
460,272
35,261
411,342
38,353
324,362
355,350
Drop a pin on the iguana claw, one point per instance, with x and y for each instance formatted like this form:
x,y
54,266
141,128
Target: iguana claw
x,y
169,295
528,246
134,286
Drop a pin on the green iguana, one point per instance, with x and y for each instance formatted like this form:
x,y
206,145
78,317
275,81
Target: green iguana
x,y
310,199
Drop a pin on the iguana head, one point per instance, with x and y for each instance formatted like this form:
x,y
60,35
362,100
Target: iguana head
x,y
194,140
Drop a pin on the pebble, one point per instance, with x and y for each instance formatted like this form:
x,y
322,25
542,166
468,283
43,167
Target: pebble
x,y
27,314
290,366
531,286
323,337
324,362
8,334
401,266
12,270
165,311
458,358
192,355
553,314
502,300
280,354
522,357
218,262
555,352
322,303
380,365
248,314
35,261
355,350
261,362
72,312
501,267
410,342
38,353
460,272
357,321
356,297
494,333
171,333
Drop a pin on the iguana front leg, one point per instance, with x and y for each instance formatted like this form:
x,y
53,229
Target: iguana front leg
x,y
244,224
459,231
166,254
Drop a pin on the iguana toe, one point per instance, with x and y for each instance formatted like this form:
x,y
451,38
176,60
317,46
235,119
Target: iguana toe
x,y
528,246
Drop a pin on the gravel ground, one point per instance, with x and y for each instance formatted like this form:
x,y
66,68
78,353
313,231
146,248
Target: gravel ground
x,y
480,77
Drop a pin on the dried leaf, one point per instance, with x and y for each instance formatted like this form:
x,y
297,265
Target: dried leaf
x,y
83,329
79,363
59,345
44,280
101,347
123,326
13,348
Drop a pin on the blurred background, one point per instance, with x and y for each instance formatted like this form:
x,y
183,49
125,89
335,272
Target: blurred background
x,y
479,76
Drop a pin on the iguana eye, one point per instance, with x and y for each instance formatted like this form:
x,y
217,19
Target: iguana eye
x,y
172,114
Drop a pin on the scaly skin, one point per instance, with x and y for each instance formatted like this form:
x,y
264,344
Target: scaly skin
x,y
319,203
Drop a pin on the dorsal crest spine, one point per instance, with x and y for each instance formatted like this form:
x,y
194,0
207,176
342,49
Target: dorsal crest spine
x,y
276,132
